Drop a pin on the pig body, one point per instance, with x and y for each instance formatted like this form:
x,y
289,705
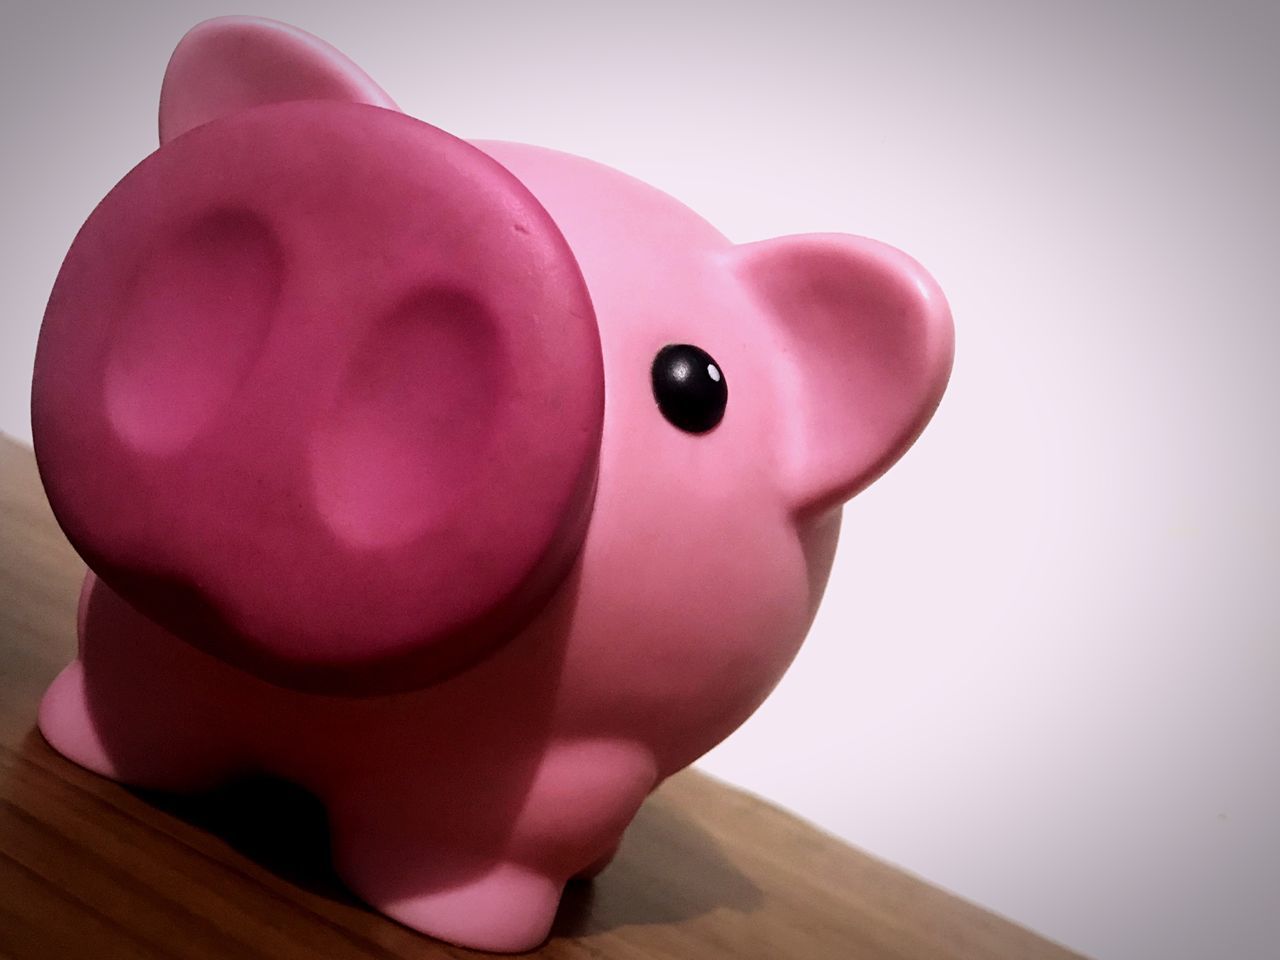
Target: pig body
x,y
642,623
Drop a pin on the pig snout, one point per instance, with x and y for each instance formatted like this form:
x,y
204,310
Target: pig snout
x,y
319,388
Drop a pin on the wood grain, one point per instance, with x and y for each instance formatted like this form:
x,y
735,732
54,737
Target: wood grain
x,y
91,869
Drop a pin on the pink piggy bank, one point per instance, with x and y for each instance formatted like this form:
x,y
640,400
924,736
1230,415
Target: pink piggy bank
x,y
474,487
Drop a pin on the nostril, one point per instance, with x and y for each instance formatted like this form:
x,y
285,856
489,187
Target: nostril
x,y
190,328
414,420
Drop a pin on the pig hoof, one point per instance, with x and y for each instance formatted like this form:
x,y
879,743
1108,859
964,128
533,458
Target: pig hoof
x,y
507,910
65,722
152,757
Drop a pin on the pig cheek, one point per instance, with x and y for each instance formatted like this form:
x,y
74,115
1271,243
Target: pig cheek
x,y
686,643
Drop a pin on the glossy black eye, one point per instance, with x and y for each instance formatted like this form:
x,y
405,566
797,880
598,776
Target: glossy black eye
x,y
689,387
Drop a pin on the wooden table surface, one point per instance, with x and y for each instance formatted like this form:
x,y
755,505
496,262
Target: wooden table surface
x,y
91,869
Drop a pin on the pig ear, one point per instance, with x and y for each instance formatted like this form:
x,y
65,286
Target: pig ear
x,y
866,348
232,63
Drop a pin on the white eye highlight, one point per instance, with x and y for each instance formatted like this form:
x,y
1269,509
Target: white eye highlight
x,y
713,372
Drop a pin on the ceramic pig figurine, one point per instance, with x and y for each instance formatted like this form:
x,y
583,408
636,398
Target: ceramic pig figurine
x,y
474,487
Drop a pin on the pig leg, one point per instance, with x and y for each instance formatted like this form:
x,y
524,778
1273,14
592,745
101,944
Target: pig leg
x,y
582,797
134,706
585,794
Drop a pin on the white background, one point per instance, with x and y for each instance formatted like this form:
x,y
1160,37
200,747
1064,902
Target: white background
x,y
1047,673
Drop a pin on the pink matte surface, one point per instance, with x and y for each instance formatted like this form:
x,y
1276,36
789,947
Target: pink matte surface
x,y
301,480
335,374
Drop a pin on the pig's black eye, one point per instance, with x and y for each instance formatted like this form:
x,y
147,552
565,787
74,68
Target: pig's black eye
x,y
689,387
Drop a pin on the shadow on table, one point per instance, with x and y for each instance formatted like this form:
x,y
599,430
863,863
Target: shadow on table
x,y
669,869
277,824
